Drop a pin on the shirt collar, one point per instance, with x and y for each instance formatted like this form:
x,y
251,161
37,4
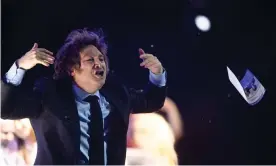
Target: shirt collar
x,y
81,94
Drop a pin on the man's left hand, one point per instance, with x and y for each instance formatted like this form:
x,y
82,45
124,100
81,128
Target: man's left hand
x,y
151,62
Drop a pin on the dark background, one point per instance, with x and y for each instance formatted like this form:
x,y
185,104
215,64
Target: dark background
x,y
220,127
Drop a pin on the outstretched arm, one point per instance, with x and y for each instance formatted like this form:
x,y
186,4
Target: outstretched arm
x,y
152,98
17,103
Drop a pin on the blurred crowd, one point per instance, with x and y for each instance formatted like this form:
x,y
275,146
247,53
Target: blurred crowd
x,y
151,138
18,143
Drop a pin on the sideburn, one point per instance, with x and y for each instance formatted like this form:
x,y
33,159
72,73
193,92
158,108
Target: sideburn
x,y
75,67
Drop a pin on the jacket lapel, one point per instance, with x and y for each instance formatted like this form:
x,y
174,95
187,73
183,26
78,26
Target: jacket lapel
x,y
69,113
113,94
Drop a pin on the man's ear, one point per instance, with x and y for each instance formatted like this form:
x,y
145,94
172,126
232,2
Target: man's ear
x,y
72,72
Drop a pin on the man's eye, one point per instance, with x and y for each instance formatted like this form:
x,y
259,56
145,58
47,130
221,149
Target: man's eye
x,y
101,59
90,59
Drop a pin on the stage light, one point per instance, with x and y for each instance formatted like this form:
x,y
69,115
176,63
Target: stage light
x,y
202,23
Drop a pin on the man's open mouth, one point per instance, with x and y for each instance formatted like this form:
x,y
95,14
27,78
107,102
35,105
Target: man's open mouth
x,y
99,73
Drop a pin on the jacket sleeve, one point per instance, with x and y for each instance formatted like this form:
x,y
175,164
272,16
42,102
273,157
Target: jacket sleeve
x,y
18,103
148,100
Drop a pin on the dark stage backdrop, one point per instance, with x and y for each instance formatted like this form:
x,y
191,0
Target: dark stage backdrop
x,y
220,127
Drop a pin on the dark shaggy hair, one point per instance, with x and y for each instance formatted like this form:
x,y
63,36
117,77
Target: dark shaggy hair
x,y
68,56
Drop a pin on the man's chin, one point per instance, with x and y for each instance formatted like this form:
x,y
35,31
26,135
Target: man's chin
x,y
100,81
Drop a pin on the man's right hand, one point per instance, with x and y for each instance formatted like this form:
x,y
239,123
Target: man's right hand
x,y
36,56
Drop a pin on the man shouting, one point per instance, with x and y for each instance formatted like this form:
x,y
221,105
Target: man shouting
x,y
81,115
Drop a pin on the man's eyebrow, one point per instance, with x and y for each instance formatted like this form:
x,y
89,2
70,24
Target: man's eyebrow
x,y
87,55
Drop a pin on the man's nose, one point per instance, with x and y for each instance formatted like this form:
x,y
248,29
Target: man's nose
x,y
97,64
